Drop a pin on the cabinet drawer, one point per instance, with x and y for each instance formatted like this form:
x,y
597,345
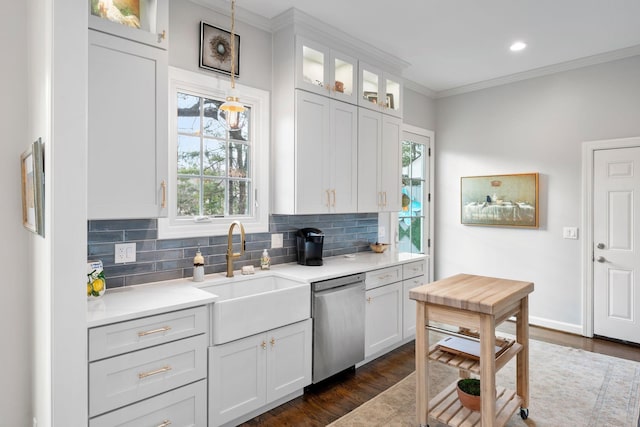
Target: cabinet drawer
x,y
382,277
413,269
131,377
119,338
185,406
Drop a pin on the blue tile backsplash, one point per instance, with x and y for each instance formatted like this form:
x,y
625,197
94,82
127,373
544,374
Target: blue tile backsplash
x,y
167,259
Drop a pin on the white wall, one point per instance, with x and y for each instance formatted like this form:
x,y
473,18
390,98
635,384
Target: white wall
x,y
15,311
536,125
184,43
418,110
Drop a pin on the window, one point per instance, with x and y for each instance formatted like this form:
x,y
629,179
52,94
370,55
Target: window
x,y
215,176
413,219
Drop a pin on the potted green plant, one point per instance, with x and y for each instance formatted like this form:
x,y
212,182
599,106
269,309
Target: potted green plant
x,y
469,393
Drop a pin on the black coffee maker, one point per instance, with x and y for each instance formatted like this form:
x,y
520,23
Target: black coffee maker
x,y
309,244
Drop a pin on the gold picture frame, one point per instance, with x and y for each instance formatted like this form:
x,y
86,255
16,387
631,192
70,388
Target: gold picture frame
x,y
32,179
500,200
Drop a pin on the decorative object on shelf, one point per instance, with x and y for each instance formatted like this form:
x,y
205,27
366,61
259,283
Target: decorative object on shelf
x,y
339,86
469,393
198,267
378,247
124,12
500,200
96,282
32,171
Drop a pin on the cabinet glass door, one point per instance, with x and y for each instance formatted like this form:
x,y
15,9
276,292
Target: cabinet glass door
x,y
370,89
344,72
393,103
313,67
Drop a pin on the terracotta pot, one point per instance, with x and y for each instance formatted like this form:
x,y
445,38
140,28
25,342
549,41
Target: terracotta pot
x,y
469,401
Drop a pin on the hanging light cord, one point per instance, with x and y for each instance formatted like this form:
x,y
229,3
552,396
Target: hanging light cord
x,y
233,43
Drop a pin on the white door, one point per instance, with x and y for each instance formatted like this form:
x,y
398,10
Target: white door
x,y
616,236
343,158
288,359
383,318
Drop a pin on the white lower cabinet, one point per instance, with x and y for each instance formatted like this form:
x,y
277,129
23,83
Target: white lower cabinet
x,y
249,373
150,370
185,406
383,318
414,274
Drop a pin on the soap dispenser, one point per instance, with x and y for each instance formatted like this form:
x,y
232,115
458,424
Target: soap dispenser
x,y
198,267
265,260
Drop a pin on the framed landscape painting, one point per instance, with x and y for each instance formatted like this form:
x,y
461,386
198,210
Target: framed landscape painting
x,y
500,200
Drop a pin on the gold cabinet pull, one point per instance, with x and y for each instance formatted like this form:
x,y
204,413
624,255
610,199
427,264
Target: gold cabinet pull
x,y
165,423
264,345
273,341
163,184
156,372
334,197
385,199
154,331
162,36
328,198
369,300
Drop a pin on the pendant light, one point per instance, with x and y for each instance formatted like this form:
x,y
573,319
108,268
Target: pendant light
x,y
232,107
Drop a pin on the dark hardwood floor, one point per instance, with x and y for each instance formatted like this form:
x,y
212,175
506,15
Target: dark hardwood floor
x,y
325,402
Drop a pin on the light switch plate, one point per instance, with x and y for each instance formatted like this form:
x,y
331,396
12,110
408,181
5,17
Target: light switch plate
x,y
570,233
276,241
125,252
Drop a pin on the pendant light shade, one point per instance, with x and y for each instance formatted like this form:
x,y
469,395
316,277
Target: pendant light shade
x,y
232,109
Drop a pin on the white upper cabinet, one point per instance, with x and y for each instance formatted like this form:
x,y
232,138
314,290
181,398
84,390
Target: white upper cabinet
x,y
147,23
326,71
373,83
127,129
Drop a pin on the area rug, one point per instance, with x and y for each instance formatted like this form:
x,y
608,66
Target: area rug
x,y
567,387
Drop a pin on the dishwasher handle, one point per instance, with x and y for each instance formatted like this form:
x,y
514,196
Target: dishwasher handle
x,y
338,282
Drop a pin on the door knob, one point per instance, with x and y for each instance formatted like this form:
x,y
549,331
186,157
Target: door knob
x,y
600,246
600,259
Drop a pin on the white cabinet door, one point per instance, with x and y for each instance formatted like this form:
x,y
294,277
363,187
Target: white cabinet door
x,y
383,318
237,378
342,158
326,155
409,306
127,128
369,139
312,142
288,359
378,162
389,165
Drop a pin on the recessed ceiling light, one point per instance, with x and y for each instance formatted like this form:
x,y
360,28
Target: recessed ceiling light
x,y
518,46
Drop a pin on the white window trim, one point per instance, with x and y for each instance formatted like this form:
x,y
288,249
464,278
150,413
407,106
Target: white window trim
x,y
172,227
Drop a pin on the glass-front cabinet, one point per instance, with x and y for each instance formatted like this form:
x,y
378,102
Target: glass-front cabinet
x,y
325,71
143,21
373,83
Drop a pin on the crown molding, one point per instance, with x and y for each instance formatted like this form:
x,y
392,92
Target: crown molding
x,y
417,87
223,7
543,71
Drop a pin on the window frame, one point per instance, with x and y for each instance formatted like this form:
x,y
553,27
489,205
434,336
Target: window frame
x,y
215,87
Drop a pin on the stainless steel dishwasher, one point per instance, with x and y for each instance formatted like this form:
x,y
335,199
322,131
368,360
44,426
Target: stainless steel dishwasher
x,y
338,324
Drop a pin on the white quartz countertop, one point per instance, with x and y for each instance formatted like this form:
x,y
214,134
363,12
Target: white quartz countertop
x,y
131,302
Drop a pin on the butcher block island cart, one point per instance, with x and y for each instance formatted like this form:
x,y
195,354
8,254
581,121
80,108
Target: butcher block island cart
x,y
473,303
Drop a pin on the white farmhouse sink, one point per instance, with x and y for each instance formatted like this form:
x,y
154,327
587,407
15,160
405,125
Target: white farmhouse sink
x,y
249,306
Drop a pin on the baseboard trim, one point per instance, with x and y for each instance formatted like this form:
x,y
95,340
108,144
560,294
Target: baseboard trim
x,y
554,324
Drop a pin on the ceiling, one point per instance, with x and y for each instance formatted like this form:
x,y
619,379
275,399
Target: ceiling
x,y
453,45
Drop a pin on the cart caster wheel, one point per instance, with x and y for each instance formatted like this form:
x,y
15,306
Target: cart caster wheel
x,y
524,413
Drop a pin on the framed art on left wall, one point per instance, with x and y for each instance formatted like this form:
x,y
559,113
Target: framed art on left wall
x,y
32,171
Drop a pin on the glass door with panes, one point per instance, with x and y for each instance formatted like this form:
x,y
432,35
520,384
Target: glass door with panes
x,y
413,218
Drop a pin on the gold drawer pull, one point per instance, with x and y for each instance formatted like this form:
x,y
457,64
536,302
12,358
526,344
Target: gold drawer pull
x,y
156,372
165,423
163,204
154,331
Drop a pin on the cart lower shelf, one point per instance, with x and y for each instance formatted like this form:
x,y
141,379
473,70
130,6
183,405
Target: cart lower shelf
x,y
446,408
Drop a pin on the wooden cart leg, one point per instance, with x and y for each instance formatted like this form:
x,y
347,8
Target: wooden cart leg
x,y
487,370
422,364
522,359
